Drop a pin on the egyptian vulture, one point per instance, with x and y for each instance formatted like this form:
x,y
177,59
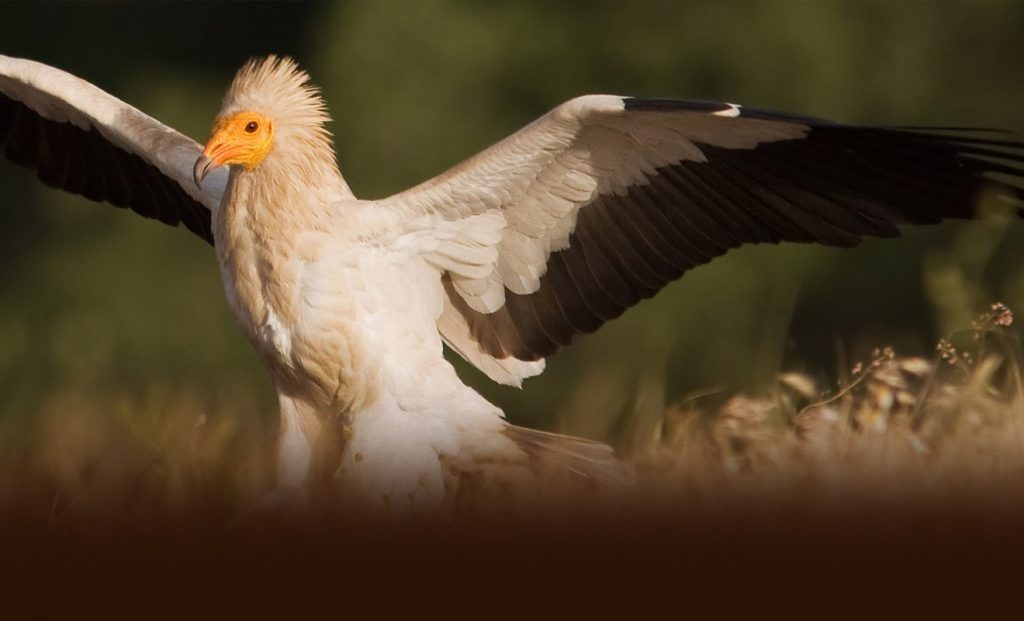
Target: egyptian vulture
x,y
505,258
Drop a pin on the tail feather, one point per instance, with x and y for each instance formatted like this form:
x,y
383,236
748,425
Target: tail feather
x,y
554,455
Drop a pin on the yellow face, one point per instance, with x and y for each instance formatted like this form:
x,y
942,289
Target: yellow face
x,y
244,139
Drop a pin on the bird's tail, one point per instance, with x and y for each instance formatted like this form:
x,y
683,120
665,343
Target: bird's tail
x,y
580,461
559,474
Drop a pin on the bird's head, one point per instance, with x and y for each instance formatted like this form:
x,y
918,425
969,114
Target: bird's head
x,y
243,138
270,107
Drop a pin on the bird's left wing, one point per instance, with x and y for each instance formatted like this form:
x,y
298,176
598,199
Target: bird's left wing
x,y
86,141
606,199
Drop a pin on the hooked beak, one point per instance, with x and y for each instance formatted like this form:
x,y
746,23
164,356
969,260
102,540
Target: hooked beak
x,y
218,151
202,168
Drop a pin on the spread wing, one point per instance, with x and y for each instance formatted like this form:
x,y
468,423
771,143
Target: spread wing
x,y
83,140
607,199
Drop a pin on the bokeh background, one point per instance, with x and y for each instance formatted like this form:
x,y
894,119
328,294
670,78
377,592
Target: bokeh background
x,y
104,312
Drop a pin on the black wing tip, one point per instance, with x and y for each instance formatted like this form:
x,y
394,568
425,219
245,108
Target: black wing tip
x,y
665,104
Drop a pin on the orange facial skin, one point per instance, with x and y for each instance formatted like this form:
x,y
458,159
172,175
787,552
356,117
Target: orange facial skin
x,y
243,139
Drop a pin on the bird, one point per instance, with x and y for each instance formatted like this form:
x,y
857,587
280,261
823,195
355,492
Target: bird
x,y
505,258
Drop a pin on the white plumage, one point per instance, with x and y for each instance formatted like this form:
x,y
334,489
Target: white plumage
x,y
506,257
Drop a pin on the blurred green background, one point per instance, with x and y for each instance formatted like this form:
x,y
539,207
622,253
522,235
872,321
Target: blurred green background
x,y
99,303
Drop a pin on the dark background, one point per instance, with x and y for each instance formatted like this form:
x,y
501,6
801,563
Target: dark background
x,y
101,309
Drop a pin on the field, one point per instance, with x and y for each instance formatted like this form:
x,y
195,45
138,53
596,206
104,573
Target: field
x,y
893,432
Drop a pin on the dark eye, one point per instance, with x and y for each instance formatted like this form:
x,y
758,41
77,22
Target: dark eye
x,y
251,127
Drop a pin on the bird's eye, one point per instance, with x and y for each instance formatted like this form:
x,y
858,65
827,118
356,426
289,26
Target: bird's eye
x,y
251,127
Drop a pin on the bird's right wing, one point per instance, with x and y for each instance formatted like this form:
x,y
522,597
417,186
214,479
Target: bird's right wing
x,y
83,140
603,201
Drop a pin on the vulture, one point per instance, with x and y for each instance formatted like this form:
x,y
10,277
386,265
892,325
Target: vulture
x,y
504,258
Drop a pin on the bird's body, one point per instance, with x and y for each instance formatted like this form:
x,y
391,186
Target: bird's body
x,y
343,307
504,258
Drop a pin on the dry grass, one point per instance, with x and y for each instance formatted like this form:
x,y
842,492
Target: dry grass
x,y
152,461
897,430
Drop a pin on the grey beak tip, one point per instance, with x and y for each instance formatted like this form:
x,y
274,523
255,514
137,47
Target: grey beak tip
x,y
201,169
